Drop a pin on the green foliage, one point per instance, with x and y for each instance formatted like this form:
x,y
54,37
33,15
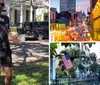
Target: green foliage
x,y
73,53
11,29
36,74
76,62
94,67
38,18
80,66
53,46
71,72
46,16
77,53
83,53
66,44
90,44
65,73
69,44
60,73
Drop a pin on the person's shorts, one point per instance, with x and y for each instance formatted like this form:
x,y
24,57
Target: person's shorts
x,y
7,60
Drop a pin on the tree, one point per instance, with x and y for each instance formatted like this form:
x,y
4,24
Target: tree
x,y
46,17
53,46
90,44
69,44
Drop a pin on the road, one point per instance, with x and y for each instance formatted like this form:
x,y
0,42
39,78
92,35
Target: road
x,y
30,52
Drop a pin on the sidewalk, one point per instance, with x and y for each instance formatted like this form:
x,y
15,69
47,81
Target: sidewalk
x,y
29,52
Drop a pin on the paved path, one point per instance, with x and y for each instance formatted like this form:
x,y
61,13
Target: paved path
x,y
30,52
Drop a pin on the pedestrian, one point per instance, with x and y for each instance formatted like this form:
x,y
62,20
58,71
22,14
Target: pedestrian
x,y
5,51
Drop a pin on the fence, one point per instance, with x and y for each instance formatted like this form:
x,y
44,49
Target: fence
x,y
76,81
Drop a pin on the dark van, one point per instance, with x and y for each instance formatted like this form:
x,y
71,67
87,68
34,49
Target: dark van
x,y
36,30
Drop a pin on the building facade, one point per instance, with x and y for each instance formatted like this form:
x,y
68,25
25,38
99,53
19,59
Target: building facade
x,y
19,12
52,22
52,15
52,19
68,5
96,21
92,4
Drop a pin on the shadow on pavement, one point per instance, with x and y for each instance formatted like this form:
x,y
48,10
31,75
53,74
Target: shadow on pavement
x,y
32,72
32,51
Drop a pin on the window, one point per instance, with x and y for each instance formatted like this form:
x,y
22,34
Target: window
x,y
27,15
17,16
33,15
53,16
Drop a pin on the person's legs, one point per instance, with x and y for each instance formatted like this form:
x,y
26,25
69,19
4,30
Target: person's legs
x,y
6,62
0,70
8,75
0,67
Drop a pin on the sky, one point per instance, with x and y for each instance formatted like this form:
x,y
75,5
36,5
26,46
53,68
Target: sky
x,y
95,48
80,4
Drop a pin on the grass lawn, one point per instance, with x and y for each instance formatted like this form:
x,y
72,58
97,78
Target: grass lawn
x,y
34,74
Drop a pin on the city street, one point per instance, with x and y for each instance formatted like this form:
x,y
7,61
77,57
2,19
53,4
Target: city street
x,y
71,33
29,52
70,22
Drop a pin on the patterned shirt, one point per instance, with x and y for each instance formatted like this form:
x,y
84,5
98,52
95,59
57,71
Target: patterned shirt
x,y
4,27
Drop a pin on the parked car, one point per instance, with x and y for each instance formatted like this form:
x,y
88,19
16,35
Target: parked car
x,y
36,30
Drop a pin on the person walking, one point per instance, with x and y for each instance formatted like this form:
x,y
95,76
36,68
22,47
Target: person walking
x,y
5,51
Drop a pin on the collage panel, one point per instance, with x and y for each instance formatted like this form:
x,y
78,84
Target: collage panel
x,y
74,63
24,42
74,20
49,42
